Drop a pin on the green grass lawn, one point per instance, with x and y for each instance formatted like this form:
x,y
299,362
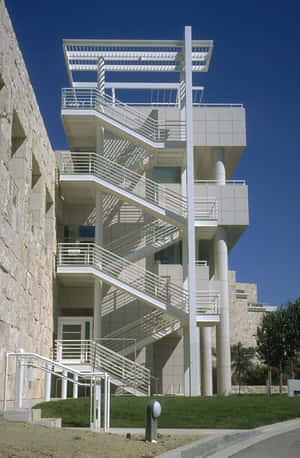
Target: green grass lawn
x,y
178,412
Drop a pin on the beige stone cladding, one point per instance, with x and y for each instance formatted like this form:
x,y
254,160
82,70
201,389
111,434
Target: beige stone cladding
x,y
27,218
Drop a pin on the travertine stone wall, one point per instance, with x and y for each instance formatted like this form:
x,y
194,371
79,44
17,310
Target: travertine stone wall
x,y
27,217
243,322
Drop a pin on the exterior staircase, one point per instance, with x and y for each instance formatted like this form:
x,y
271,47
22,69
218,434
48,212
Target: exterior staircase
x,y
145,241
125,184
124,120
146,330
90,355
91,259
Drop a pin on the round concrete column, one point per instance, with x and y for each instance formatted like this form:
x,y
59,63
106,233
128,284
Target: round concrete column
x,y
219,167
206,361
223,328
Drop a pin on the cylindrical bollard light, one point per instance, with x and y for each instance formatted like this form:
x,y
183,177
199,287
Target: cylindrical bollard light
x,y
153,411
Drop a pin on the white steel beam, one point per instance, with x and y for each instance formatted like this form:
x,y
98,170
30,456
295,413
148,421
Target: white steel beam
x,y
194,334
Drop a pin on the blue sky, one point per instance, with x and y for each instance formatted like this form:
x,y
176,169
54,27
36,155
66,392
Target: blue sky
x,y
255,62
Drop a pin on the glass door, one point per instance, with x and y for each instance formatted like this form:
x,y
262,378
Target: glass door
x,y
74,334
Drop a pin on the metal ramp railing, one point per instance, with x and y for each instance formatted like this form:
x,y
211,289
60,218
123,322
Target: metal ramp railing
x,y
33,361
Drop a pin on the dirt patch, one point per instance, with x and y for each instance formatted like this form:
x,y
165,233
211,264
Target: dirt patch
x,y
22,440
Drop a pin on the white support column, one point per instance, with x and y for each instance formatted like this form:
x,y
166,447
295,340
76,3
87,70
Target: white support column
x,y
106,403
206,361
193,330
219,165
48,382
19,380
29,385
97,331
223,328
75,386
185,278
64,385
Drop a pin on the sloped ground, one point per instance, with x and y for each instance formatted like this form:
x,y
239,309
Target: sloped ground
x,y
21,440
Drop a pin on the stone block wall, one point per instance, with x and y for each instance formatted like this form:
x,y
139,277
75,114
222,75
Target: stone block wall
x,y
27,213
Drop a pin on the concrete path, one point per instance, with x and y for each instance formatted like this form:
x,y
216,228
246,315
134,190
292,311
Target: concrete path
x,y
281,438
284,445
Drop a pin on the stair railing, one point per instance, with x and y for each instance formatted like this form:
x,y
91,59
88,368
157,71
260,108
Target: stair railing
x,y
147,126
89,254
154,235
117,175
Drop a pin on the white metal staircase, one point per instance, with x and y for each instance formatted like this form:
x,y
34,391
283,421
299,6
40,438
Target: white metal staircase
x,y
125,184
125,373
145,240
124,120
146,330
125,153
91,259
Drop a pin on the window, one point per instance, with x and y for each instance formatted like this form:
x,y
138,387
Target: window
x,y
170,255
166,174
76,233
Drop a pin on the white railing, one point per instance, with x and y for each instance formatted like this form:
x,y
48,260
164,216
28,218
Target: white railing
x,y
261,307
236,182
155,235
221,105
67,374
148,127
155,324
143,281
207,302
206,209
127,180
126,153
123,370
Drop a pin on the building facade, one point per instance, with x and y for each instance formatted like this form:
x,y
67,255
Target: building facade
x,y
149,208
27,212
143,211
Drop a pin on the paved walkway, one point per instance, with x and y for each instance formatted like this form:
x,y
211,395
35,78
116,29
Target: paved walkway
x,y
281,440
285,445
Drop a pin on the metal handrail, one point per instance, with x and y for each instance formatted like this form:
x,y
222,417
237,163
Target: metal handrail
x,y
151,129
235,182
155,287
102,358
154,235
126,179
153,323
208,302
206,209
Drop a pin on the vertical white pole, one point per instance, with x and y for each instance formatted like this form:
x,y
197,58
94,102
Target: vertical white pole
x,y
95,406
99,404
194,334
75,386
19,380
223,328
64,385
99,207
106,402
5,383
48,382
29,385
